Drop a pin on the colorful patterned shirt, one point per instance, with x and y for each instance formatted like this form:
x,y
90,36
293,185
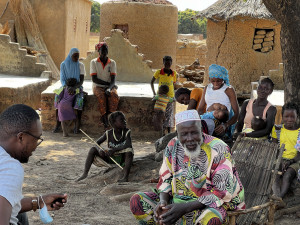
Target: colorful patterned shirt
x,y
210,178
161,102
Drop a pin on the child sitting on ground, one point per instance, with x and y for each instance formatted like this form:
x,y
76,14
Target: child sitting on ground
x,y
161,102
119,147
288,134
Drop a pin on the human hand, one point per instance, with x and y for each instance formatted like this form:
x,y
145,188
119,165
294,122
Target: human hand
x,y
107,91
71,90
285,165
53,201
174,213
159,211
110,152
220,129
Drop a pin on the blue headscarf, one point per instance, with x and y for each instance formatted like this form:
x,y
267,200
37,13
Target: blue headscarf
x,y
216,71
69,68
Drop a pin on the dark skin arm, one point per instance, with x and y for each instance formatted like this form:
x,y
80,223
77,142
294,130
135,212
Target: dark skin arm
x,y
235,107
128,144
152,85
176,211
5,211
271,113
51,200
192,104
96,80
202,104
240,123
164,201
112,84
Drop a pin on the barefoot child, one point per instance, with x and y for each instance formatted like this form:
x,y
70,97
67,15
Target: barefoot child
x,y
161,102
166,76
119,147
287,134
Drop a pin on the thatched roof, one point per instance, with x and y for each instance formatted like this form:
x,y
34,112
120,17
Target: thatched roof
x,y
163,2
227,9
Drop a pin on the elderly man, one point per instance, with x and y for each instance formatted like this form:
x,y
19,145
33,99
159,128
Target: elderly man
x,y
20,134
198,182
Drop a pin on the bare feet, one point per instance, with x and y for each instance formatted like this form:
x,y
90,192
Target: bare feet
x,y
65,135
82,177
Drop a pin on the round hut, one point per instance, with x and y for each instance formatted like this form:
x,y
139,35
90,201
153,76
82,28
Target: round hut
x,y
243,37
150,24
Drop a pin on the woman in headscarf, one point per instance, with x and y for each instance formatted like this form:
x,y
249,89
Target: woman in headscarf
x,y
70,96
220,91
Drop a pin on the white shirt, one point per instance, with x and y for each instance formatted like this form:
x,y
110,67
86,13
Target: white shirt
x,y
103,72
217,96
11,181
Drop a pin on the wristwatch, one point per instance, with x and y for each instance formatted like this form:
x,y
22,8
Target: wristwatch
x,y
34,202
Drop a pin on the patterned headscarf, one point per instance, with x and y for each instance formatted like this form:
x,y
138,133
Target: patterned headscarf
x,y
188,115
99,45
69,68
216,71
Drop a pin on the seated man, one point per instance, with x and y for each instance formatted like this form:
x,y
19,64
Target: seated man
x,y
103,71
198,181
20,134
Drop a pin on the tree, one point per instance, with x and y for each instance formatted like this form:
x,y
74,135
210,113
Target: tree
x,y
287,12
95,17
187,26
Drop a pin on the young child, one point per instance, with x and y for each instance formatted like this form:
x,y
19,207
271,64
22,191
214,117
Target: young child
x,y
219,114
119,147
167,77
65,97
287,134
161,102
257,123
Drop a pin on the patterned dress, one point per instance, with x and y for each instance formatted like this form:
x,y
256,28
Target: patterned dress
x,y
210,178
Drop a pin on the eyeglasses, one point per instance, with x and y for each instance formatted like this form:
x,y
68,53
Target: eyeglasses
x,y
40,140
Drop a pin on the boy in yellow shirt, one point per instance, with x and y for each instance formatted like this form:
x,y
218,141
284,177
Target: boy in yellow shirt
x,y
287,134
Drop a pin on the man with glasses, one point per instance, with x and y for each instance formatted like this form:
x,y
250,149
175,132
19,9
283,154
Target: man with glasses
x,y
20,134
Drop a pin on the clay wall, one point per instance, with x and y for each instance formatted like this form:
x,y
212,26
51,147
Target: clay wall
x,y
15,61
231,46
152,27
188,51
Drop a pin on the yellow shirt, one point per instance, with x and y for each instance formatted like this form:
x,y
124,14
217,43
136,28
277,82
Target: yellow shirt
x,y
289,138
164,79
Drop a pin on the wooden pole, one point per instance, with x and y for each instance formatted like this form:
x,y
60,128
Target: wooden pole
x,y
100,148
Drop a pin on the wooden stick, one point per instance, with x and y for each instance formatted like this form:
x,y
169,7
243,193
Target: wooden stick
x,y
100,148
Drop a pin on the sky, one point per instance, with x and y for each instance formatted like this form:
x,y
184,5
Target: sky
x,y
184,4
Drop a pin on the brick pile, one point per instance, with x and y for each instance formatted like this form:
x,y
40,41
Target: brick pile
x,y
263,40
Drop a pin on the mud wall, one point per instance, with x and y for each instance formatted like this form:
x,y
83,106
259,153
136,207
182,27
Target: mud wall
x,y
152,27
188,51
230,44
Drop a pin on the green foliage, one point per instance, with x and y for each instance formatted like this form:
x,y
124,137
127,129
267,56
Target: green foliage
x,y
188,26
95,17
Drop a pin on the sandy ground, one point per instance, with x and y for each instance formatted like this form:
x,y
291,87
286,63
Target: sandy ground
x,y
56,164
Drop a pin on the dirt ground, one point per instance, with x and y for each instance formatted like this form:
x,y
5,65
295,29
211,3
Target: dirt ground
x,y
97,200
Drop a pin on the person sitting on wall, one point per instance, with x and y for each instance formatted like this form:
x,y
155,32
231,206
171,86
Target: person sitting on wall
x,y
20,134
198,181
259,107
71,68
103,71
